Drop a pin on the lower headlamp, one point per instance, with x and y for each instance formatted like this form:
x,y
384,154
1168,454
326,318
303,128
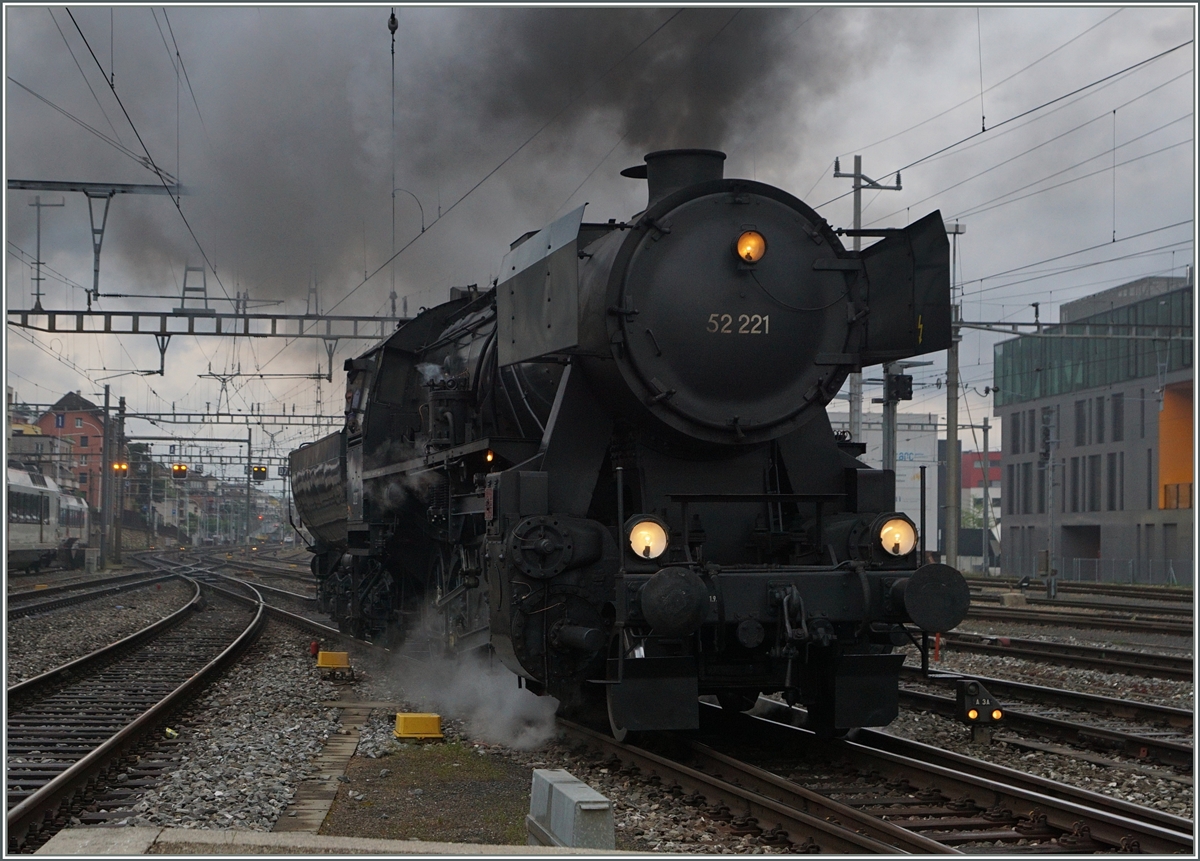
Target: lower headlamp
x,y
647,536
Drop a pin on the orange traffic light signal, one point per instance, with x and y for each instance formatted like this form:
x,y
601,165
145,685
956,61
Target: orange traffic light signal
x,y
179,470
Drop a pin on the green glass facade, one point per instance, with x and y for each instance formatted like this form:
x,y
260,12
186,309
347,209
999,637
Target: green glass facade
x,y
1030,367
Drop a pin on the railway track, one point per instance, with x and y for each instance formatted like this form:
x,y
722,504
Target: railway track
x,y
27,603
1121,590
1134,663
1173,609
68,728
762,775
1109,621
1176,751
1096,704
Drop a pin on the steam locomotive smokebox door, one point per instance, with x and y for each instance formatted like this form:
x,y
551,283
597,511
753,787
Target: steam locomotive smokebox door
x,y
537,299
655,694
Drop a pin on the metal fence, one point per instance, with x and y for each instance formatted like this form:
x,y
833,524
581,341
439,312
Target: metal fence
x,y
1167,572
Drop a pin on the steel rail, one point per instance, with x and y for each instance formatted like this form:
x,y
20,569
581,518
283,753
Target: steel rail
x,y
1148,664
1081,620
32,608
1173,608
1124,590
48,798
1167,752
1113,822
1094,703
31,594
834,827
74,668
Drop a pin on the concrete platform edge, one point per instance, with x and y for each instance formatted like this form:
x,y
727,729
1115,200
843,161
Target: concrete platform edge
x,y
196,841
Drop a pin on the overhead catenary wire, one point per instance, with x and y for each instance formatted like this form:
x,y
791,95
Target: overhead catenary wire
x,y
85,77
1038,146
1025,113
513,154
443,213
120,147
969,99
174,199
997,202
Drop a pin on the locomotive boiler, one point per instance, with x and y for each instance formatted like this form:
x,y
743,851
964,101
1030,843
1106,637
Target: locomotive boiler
x,y
615,470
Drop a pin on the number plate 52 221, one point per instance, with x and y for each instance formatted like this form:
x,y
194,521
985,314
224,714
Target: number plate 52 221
x,y
745,324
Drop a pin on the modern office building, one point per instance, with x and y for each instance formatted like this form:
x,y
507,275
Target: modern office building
x,y
1097,437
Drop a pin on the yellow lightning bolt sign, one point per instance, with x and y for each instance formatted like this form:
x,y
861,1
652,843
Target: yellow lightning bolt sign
x,y
920,329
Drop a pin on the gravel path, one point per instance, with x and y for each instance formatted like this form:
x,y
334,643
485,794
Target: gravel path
x,y
36,644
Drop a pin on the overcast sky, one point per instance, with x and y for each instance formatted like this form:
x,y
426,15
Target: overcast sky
x,y
281,129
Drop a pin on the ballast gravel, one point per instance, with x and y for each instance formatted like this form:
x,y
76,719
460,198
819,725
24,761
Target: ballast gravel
x,y
246,743
251,739
36,644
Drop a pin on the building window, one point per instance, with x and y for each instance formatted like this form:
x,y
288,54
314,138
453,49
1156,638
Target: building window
x,y
83,459
1142,406
1081,423
1026,488
1093,480
37,448
1014,434
1121,481
1041,489
83,442
1150,500
1100,419
83,476
1118,417
1010,492
1074,484
1031,436
78,421
1112,481
1062,470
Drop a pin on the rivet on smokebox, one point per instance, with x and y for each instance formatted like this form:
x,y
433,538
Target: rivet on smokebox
x,y
170,733
418,726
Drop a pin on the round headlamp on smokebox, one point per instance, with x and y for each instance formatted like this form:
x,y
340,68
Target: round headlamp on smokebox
x,y
647,535
889,537
750,246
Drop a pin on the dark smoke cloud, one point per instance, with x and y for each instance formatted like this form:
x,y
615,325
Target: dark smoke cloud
x,y
292,165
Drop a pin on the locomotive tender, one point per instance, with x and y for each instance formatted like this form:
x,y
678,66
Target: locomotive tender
x,y
615,468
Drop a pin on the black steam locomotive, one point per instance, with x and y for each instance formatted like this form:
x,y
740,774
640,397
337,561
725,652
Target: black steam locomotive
x,y
615,469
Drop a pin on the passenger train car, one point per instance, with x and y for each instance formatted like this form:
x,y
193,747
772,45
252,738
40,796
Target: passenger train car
x,y
45,525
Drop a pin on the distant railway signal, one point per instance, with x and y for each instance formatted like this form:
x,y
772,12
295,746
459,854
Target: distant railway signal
x,y
120,469
976,708
179,470
259,473
899,387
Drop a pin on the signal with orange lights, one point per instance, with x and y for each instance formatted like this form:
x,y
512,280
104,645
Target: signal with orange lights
x,y
179,470
974,705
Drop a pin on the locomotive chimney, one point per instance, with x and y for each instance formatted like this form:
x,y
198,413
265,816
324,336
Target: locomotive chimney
x,y
669,170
